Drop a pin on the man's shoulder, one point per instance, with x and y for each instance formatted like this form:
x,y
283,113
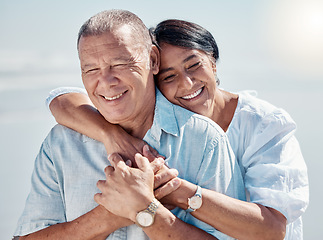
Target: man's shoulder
x,y
62,134
197,124
176,120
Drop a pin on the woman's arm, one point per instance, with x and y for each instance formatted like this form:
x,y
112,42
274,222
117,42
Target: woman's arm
x,y
75,110
239,219
236,218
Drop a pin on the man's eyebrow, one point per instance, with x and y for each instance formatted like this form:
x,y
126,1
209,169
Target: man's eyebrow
x,y
117,59
125,59
184,61
86,66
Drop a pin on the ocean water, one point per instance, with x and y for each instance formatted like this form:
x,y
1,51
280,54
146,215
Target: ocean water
x,y
25,122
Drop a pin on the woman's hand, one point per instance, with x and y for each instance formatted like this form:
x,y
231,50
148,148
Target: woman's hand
x,y
117,140
165,179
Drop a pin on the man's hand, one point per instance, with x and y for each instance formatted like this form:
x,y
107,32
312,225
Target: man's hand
x,y
127,190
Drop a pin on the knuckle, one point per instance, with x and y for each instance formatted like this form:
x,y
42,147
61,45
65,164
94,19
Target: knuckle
x,y
158,193
97,197
108,170
114,155
158,178
173,172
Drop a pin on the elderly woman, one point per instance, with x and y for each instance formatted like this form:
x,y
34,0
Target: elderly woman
x,y
261,136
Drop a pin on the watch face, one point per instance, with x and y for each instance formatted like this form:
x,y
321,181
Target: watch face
x,y
144,219
195,202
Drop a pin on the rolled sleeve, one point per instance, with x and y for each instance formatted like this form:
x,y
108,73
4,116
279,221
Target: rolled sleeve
x,y
276,174
63,90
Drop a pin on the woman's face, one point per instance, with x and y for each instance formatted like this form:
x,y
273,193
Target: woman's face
x,y
187,78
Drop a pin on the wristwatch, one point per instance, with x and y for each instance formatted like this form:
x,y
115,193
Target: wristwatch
x,y
195,202
145,218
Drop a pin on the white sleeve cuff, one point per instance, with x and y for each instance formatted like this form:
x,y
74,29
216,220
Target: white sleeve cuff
x,y
63,90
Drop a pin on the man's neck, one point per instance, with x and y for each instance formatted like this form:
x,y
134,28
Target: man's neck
x,y
142,123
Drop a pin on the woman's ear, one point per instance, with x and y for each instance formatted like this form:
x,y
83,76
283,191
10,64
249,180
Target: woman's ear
x,y
154,59
214,67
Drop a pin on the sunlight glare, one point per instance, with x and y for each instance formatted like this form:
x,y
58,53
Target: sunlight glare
x,y
295,35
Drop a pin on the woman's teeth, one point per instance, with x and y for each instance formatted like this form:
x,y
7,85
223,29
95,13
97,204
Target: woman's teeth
x,y
193,95
113,98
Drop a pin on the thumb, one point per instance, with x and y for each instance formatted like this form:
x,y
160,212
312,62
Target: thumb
x,y
142,162
116,160
148,153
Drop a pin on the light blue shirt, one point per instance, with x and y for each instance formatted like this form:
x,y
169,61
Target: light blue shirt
x,y
69,164
274,171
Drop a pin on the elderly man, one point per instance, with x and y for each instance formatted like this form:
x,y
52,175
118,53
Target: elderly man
x,y
118,61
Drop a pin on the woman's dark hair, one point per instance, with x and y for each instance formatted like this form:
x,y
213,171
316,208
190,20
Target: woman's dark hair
x,y
185,34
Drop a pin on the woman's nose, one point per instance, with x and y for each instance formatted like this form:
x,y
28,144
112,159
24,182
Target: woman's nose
x,y
186,81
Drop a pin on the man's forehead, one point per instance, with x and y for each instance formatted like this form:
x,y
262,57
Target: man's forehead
x,y
94,51
110,40
97,41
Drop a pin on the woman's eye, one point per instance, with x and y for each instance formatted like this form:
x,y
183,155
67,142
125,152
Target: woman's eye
x,y
194,66
168,78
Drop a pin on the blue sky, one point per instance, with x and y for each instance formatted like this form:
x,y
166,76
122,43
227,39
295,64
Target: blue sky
x,y
253,36
274,47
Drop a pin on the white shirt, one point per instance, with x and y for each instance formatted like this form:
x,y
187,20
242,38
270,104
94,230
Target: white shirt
x,y
275,174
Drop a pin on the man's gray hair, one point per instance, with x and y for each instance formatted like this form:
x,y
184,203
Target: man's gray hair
x,y
109,20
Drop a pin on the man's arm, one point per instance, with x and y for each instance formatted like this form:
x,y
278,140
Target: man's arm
x,y
95,225
45,206
168,226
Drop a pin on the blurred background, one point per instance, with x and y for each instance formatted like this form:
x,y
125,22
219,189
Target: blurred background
x,y
274,47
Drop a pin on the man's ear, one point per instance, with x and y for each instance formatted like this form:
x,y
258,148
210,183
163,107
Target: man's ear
x,y
154,59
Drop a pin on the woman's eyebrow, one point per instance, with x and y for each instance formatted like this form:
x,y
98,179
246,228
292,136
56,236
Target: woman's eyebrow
x,y
184,61
189,58
165,70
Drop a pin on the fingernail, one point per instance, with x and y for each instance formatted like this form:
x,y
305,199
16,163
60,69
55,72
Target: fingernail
x,y
176,182
146,148
160,161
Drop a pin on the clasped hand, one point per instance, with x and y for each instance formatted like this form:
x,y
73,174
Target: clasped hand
x,y
128,190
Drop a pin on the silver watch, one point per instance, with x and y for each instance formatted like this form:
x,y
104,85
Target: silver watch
x,y
146,218
195,202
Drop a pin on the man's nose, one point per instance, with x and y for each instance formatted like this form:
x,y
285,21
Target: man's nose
x,y
107,78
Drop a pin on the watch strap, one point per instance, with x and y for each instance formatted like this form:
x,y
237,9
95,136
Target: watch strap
x,y
153,206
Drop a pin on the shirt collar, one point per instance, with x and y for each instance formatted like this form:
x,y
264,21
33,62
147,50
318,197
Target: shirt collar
x,y
164,118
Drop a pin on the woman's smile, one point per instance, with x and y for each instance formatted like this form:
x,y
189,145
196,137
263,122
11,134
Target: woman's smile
x,y
193,95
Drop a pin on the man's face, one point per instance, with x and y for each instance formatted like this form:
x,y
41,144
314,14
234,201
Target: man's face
x,y
116,75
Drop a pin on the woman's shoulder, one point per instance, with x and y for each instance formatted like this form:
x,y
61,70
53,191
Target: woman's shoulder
x,y
256,118
252,108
